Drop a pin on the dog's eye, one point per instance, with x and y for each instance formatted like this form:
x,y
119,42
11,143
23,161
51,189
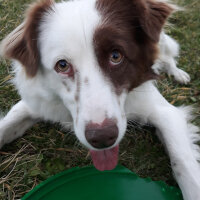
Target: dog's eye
x,y
116,57
63,67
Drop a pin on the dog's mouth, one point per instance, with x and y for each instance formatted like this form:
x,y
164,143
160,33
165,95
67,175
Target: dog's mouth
x,y
105,159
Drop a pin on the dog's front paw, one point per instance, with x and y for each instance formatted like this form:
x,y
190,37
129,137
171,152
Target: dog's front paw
x,y
158,67
181,76
192,195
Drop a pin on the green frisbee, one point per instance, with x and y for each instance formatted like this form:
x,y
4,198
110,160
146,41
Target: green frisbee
x,y
89,184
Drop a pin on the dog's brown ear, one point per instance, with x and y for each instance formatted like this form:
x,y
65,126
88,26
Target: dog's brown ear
x,y
153,15
21,44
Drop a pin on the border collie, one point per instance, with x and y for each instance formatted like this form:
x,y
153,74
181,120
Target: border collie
x,y
94,63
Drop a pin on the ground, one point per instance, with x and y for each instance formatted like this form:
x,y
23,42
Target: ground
x,y
46,149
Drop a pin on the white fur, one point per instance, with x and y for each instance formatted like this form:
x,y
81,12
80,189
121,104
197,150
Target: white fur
x,y
175,131
50,96
169,50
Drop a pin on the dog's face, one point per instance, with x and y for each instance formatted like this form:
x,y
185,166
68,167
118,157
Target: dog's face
x,y
92,52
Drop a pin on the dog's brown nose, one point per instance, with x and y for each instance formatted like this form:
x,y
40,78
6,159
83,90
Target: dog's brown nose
x,y
102,135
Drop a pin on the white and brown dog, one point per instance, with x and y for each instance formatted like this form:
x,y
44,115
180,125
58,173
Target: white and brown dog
x,y
92,63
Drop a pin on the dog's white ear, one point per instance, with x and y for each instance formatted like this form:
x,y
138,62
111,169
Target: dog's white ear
x,y
21,44
153,15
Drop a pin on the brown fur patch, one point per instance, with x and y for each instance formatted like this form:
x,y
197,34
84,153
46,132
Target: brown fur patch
x,y
77,114
154,15
132,27
78,87
76,97
86,80
21,44
66,86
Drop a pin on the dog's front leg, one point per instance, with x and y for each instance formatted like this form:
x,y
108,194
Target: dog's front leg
x,y
16,122
176,133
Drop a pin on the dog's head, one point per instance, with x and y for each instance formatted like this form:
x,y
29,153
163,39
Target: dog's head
x,y
92,52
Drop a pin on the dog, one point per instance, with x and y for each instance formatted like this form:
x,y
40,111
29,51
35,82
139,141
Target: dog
x,y
94,63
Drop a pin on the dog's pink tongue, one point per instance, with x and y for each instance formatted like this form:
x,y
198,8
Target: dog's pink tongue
x,y
105,159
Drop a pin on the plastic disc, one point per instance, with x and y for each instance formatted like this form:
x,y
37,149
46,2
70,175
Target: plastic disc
x,y
89,184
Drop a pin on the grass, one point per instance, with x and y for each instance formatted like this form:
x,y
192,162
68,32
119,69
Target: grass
x,y
46,150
